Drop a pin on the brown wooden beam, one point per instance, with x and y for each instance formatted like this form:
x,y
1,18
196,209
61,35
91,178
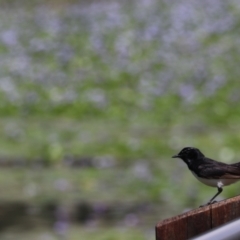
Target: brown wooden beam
x,y
198,221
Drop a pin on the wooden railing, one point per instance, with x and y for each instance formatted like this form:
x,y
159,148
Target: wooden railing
x,y
198,221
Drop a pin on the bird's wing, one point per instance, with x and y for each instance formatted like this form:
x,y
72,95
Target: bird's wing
x,y
217,171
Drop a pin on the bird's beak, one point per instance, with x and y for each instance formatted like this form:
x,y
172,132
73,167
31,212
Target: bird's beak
x,y
176,156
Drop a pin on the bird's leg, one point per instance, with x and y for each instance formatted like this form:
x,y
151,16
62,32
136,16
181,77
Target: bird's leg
x,y
211,200
219,191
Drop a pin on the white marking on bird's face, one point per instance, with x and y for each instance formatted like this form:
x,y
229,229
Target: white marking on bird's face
x,y
215,182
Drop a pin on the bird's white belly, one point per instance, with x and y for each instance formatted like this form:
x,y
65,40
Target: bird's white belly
x,y
215,182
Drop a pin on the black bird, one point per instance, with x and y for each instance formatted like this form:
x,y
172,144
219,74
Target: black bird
x,y
209,171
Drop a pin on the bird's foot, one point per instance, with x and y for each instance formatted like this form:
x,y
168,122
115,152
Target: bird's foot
x,y
209,203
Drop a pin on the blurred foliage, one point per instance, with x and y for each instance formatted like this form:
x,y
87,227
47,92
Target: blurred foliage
x,y
130,82
80,233
70,75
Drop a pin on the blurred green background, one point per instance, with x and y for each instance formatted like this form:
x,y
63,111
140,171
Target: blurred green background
x,y
95,98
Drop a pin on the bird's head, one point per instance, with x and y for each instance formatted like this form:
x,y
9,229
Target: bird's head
x,y
189,154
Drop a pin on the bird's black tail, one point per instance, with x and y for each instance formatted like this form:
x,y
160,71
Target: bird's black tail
x,y
236,164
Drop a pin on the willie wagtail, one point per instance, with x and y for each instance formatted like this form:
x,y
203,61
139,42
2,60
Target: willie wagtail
x,y
208,171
